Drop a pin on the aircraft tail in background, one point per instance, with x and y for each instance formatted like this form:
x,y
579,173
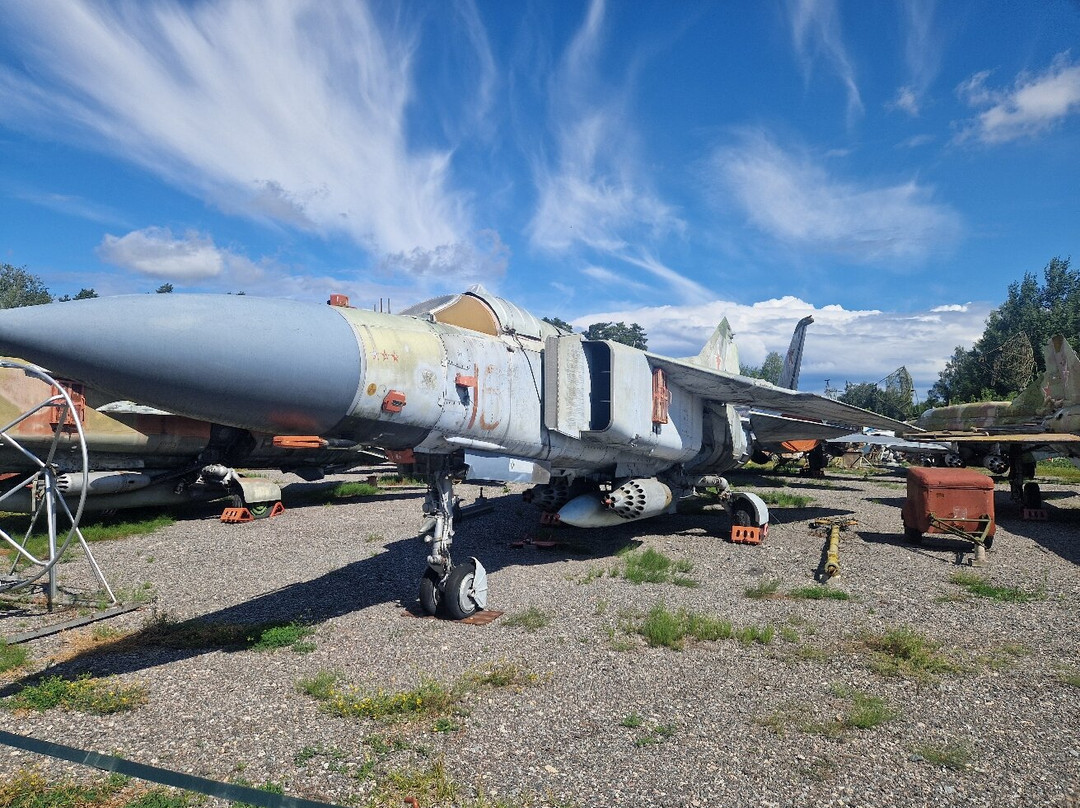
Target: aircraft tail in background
x,y
789,376
719,352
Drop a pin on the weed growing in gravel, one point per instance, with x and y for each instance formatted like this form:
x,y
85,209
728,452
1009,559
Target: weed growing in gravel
x,y
651,567
532,619
905,653
1071,678
164,798
633,721
955,755
84,694
818,592
980,586
590,575
32,789
782,499
430,698
867,712
764,588
309,753
12,656
430,785
288,635
859,711
268,787
748,635
658,734
662,627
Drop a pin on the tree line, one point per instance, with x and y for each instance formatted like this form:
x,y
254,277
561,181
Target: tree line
x,y
20,287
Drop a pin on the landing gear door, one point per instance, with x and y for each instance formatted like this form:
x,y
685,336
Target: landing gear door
x,y
567,400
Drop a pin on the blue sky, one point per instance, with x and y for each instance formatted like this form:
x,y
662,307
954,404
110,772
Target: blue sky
x,y
889,167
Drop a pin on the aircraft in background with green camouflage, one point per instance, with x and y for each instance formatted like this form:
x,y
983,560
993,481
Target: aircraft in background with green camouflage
x,y
1007,437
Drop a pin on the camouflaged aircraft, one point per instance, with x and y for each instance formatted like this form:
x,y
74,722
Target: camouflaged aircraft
x,y
1007,437
465,385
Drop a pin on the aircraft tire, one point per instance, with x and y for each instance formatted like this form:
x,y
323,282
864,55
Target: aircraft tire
x,y
741,517
457,597
430,596
1032,495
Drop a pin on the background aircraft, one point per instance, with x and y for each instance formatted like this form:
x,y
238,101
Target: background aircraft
x,y
1008,436
609,433
141,456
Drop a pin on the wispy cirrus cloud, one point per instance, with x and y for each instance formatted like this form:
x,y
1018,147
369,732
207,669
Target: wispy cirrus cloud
x,y
592,192
294,113
1033,104
793,198
816,35
922,54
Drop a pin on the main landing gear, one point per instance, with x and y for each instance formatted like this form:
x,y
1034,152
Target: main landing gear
x,y
456,590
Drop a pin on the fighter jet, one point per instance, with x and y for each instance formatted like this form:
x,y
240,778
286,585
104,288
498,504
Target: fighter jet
x,y
1007,436
465,383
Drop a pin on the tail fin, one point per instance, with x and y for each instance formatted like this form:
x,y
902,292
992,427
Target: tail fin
x,y
1059,385
1061,382
789,376
719,352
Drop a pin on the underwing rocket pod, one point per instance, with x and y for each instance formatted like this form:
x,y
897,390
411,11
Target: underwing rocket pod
x,y
635,499
461,384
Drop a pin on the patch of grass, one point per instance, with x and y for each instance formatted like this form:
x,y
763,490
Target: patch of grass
x,y
590,575
287,635
748,635
1058,468
268,787
332,493
649,566
905,653
397,479
818,592
633,721
657,734
32,789
662,627
980,586
764,588
84,694
532,619
428,785
100,528
868,711
163,798
12,656
783,499
429,698
954,755
1071,678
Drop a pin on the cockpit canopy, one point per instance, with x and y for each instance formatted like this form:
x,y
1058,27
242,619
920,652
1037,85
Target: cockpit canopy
x,y
478,310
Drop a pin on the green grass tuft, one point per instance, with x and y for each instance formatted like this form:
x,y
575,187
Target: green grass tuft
x,y
287,635
12,656
763,589
532,619
954,755
651,567
905,653
980,586
818,592
782,499
84,694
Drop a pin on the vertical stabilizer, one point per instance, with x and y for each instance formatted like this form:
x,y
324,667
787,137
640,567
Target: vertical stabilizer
x,y
1061,382
719,352
789,376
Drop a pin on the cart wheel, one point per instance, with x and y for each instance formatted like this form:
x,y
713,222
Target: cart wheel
x,y
912,534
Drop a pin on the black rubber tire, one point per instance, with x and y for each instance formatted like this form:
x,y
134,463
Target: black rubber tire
x,y
457,604
260,510
430,595
741,517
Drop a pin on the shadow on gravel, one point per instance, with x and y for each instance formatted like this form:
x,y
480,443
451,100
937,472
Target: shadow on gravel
x,y
390,577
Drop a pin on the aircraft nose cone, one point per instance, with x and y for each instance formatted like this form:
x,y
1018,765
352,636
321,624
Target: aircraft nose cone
x,y
259,363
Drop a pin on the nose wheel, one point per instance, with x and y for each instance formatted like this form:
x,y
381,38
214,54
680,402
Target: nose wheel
x,y
456,590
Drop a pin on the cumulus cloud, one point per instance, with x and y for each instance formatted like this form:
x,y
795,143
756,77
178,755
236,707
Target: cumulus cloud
x,y
815,33
794,199
593,192
1033,104
154,251
296,113
842,345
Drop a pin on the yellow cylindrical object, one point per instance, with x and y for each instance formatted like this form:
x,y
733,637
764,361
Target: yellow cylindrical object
x,y
832,561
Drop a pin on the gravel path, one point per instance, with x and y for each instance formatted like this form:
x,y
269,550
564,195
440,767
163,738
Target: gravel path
x,y
595,715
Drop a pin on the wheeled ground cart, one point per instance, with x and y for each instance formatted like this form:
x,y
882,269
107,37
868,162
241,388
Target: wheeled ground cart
x,y
957,502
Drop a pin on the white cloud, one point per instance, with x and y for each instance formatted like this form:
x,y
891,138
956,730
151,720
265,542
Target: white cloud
x,y
794,199
154,251
906,101
815,31
295,112
1032,105
922,54
593,192
842,345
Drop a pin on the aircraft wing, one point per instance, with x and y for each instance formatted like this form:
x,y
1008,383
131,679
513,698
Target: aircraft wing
x,y
731,388
1033,438
772,428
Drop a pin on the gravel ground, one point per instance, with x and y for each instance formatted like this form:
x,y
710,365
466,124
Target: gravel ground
x,y
596,716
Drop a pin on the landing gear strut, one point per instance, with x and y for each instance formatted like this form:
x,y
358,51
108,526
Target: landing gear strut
x,y
457,590
1026,495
